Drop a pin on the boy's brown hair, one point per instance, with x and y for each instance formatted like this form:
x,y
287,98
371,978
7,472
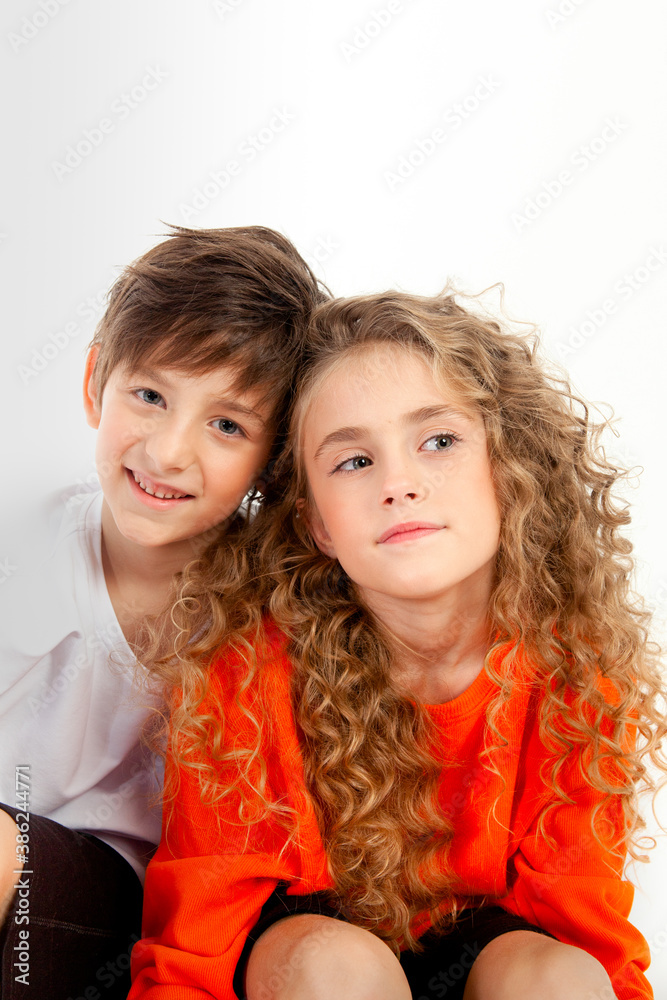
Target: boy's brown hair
x,y
204,298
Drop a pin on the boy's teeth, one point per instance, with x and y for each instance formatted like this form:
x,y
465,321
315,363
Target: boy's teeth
x,y
157,493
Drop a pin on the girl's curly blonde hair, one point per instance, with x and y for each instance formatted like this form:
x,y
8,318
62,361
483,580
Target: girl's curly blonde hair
x,y
561,594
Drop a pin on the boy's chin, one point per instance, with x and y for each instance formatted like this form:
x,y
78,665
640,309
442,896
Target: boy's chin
x,y
149,536
149,540
153,533
196,541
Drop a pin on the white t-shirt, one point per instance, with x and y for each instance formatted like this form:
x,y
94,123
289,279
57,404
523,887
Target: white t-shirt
x,y
71,713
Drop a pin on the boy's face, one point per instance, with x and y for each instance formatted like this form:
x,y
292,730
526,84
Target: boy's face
x,y
176,453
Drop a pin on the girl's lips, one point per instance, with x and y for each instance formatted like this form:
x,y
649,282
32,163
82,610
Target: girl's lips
x,y
156,503
408,531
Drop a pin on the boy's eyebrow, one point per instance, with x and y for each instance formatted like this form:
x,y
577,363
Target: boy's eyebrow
x,y
236,407
221,402
343,434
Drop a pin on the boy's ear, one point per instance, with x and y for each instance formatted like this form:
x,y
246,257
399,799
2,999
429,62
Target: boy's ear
x,y
264,477
316,527
90,396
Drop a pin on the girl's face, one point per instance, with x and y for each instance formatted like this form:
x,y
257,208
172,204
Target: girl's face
x,y
400,480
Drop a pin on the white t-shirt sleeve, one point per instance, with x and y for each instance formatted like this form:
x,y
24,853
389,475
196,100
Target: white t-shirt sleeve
x,y
71,710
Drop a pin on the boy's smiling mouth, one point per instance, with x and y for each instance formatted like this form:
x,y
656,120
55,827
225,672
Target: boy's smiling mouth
x,y
158,491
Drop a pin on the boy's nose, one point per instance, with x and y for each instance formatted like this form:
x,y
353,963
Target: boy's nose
x,y
170,448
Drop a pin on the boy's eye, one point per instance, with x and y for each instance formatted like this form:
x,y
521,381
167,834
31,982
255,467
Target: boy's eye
x,y
228,427
440,442
350,464
150,396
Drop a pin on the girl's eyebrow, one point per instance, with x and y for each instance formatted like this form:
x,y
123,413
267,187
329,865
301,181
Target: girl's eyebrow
x,y
343,434
429,412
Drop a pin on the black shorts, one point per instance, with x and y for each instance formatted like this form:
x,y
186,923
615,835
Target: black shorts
x,y
74,919
439,971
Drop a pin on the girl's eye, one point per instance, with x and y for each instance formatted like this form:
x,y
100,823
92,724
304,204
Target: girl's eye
x,y
227,427
440,442
149,396
351,464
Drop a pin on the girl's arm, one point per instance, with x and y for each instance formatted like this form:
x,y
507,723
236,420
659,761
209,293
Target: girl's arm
x,y
212,873
576,891
204,891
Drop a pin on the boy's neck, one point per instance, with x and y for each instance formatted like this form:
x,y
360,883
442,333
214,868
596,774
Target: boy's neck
x,y
139,578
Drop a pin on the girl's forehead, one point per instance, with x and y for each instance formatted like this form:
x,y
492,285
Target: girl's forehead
x,y
374,368
381,355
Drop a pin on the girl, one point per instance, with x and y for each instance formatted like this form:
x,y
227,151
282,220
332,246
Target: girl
x,y
413,768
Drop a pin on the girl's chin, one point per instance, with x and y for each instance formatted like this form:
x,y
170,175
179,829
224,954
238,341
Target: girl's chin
x,y
408,592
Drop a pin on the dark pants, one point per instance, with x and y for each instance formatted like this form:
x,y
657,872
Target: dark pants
x,y
439,971
74,920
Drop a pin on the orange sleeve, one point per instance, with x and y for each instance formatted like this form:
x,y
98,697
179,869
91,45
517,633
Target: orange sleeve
x,y
575,890
204,891
212,874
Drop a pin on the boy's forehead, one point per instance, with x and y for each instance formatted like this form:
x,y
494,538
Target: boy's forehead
x,y
226,375
224,383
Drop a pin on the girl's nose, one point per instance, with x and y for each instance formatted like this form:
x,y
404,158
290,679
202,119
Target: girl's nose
x,y
401,484
390,498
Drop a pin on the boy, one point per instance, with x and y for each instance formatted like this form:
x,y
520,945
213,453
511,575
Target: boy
x,y
186,381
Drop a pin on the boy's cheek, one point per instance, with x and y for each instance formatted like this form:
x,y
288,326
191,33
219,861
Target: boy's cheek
x,y
108,464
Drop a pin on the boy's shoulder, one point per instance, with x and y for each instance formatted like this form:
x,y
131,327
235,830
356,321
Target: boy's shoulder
x,y
51,549
39,530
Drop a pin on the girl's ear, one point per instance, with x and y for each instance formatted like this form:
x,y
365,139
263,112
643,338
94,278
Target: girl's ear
x,y
91,402
316,527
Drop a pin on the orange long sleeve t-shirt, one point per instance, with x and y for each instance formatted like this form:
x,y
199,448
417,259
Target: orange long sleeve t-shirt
x,y
211,875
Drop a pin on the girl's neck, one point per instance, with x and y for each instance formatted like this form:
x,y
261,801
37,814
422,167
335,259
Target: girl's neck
x,y
439,645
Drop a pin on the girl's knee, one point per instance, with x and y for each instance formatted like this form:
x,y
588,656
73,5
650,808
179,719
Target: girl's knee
x,y
524,965
319,958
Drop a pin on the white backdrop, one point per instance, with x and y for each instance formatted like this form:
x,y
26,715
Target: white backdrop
x,y
397,142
